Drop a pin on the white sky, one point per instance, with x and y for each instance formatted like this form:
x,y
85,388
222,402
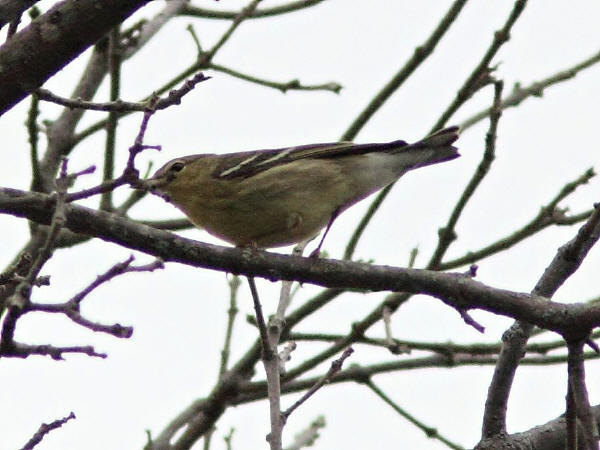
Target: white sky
x,y
179,313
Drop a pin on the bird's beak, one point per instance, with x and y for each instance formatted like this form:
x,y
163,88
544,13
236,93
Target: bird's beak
x,y
153,184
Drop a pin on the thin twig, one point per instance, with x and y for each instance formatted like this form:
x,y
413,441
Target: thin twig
x,y
15,271
271,364
386,314
260,320
44,429
285,355
130,174
71,308
228,438
135,196
548,215
252,391
336,366
19,350
234,284
114,71
292,85
274,365
33,133
364,221
392,302
447,234
420,54
308,436
173,98
115,271
283,87
195,11
202,63
443,348
579,393
535,89
61,132
566,261
238,19
479,77
464,315
571,420
20,300
430,432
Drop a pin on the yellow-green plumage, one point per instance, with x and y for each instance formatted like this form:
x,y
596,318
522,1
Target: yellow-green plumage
x,y
280,197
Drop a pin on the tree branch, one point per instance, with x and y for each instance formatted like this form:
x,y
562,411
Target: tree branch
x,y
567,260
535,89
446,234
457,290
195,11
11,10
480,75
578,389
44,429
32,55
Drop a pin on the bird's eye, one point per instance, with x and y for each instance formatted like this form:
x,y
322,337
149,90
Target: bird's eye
x,y
177,166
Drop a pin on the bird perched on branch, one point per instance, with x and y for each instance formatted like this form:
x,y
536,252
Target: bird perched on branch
x,y
279,197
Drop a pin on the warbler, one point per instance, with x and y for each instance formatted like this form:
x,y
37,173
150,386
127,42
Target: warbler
x,y
278,197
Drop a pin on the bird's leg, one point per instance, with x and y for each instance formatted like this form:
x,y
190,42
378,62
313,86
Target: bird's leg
x,y
315,253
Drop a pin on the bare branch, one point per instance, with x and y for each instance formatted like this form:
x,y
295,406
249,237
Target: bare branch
x,y
11,10
332,273
71,308
480,75
174,98
579,395
292,85
190,10
442,348
568,258
61,133
307,437
447,234
548,215
336,366
430,432
19,350
31,57
203,62
571,421
268,352
19,302
130,174
420,54
535,89
234,284
271,364
44,429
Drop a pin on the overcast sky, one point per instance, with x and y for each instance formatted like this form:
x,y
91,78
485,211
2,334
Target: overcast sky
x,y
178,314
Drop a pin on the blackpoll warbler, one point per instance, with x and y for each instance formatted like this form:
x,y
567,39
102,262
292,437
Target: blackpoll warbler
x,y
273,198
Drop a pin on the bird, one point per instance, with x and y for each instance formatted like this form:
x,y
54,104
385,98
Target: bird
x,y
279,197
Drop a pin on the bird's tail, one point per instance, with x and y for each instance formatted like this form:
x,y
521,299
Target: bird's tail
x,y
435,148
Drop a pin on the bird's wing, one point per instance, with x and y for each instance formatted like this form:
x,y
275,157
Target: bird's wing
x,y
245,164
